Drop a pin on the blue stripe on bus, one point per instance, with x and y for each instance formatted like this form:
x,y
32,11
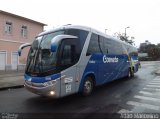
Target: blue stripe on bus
x,y
41,79
108,71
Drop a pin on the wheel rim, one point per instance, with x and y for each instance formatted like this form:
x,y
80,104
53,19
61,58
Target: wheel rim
x,y
87,86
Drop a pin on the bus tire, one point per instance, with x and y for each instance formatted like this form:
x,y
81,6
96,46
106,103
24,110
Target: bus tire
x,y
132,72
87,86
129,74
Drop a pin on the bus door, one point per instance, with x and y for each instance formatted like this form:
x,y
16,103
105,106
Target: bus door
x,y
67,60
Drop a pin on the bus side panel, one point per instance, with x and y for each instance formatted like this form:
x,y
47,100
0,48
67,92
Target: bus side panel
x,y
91,68
135,63
136,67
114,69
81,73
106,70
82,64
123,66
68,81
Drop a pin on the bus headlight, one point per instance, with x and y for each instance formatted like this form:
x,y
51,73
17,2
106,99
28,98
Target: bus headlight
x,y
52,93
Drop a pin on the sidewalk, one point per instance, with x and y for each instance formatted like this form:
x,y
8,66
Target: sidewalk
x,y
11,79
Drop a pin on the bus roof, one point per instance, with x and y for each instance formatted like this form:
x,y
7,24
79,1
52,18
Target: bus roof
x,y
69,26
66,27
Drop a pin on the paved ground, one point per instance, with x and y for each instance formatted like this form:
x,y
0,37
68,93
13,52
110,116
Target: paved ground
x,y
140,94
157,72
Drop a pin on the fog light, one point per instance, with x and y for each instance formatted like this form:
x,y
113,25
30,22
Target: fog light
x,y
52,92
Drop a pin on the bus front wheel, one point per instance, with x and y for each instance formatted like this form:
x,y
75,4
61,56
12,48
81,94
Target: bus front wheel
x,y
87,86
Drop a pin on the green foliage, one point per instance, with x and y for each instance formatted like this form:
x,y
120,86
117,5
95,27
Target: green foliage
x,y
152,50
125,38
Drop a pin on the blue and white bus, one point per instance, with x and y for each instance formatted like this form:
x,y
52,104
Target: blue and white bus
x,y
73,59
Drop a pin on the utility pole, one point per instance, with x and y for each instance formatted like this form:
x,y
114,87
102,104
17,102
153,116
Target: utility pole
x,y
106,31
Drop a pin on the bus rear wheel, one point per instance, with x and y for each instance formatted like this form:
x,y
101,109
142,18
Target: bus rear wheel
x,y
130,73
87,86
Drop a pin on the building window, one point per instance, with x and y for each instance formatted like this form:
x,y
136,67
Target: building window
x,y
24,31
8,28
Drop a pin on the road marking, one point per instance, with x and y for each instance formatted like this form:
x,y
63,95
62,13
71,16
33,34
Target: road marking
x,y
153,107
152,89
154,86
154,83
146,93
124,111
157,78
147,98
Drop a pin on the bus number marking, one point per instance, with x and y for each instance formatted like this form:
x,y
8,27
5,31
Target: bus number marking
x,y
68,88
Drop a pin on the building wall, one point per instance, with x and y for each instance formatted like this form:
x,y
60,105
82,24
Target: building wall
x,y
11,42
33,28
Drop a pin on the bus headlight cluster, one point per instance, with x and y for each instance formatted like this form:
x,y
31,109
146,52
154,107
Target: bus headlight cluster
x,y
49,83
52,93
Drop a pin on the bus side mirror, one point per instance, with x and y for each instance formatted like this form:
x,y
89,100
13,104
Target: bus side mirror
x,y
21,47
57,39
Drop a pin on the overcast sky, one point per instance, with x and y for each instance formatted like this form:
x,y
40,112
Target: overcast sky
x,y
142,16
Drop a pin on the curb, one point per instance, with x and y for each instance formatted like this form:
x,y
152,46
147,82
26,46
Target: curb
x,y
11,87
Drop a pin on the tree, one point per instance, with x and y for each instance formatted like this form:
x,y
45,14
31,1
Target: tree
x,y
124,38
158,45
152,50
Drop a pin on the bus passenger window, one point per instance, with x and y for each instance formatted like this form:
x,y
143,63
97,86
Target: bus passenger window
x,y
93,45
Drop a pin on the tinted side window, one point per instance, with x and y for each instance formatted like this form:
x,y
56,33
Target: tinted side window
x,y
133,51
93,45
124,49
104,44
67,55
81,34
116,48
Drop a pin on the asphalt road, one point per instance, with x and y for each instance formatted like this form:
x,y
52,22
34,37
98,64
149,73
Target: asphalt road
x,y
138,95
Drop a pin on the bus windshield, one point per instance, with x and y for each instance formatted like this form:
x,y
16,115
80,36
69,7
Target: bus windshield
x,y
41,61
40,58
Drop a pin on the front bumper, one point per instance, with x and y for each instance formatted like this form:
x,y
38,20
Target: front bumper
x,y
40,89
